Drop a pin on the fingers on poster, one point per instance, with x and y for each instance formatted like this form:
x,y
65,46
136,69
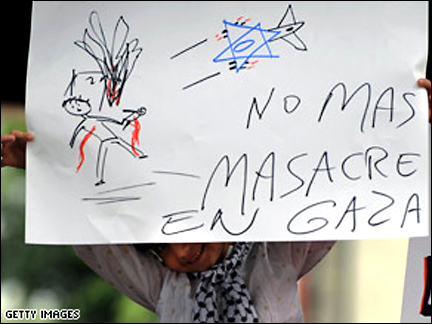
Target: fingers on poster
x,y
247,43
114,59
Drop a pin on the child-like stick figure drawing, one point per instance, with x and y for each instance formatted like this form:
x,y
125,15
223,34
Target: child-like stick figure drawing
x,y
97,127
102,88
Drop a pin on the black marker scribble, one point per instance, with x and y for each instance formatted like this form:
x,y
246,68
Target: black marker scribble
x,y
211,76
249,184
99,200
102,88
189,49
179,174
127,188
116,60
111,200
181,222
384,104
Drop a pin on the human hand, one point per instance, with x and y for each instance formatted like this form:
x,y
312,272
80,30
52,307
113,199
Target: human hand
x,y
425,83
13,149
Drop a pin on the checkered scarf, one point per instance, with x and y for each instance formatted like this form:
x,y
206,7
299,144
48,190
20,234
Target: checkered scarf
x,y
222,295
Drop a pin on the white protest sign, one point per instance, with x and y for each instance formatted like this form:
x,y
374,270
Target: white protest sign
x,y
220,121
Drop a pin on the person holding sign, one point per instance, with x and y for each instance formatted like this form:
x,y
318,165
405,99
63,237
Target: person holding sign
x,y
425,83
13,149
202,282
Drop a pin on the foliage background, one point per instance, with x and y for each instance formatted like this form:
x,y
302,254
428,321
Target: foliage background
x,y
50,277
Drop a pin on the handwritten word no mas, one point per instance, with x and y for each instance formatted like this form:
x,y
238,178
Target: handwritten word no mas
x,y
375,105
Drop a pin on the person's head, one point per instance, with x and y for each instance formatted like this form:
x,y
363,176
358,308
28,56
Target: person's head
x,y
188,257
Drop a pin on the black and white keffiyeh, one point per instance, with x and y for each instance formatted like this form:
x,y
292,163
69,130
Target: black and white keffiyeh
x,y
222,295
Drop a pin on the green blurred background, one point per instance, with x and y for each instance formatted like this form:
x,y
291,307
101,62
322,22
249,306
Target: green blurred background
x,y
50,277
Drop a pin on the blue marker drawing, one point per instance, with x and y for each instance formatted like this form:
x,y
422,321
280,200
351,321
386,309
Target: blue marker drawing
x,y
252,42
248,43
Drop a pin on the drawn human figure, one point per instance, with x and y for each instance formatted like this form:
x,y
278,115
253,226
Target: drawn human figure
x,y
98,127
102,88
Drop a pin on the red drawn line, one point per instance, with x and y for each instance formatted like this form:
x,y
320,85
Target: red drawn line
x,y
245,20
135,136
112,92
252,65
81,148
425,284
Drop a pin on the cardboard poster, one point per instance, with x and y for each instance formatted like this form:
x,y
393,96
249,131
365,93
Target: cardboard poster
x,y
222,121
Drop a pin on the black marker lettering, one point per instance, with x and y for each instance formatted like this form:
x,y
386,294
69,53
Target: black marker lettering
x,y
351,209
414,199
413,111
290,170
388,108
373,163
291,103
391,203
347,100
271,161
255,108
323,166
323,221
402,162
175,220
229,173
219,219
344,167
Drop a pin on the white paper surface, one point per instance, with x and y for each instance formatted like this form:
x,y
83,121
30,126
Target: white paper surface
x,y
235,121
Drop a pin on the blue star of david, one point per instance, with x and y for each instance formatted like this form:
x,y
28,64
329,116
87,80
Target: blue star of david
x,y
245,43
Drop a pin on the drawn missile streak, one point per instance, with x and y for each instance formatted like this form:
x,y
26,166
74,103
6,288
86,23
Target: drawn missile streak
x,y
195,83
98,200
111,200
